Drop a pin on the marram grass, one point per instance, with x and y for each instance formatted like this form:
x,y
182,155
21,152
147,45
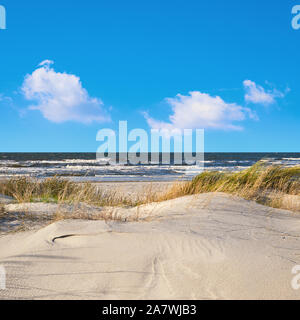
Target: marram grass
x,y
60,190
269,185
274,186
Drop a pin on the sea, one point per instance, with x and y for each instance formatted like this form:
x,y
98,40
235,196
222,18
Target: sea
x,y
86,166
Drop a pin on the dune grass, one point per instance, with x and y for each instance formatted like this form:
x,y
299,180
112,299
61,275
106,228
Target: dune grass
x,y
59,190
73,201
268,185
2,210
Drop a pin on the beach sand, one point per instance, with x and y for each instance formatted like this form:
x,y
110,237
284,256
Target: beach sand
x,y
135,190
207,246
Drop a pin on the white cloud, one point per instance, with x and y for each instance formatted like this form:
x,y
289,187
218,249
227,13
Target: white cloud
x,y
60,97
258,95
46,62
4,98
200,110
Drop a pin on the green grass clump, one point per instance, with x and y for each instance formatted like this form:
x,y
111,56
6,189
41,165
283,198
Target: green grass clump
x,y
256,179
265,184
27,190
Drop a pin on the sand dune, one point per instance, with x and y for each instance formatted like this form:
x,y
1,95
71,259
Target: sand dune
x,y
208,246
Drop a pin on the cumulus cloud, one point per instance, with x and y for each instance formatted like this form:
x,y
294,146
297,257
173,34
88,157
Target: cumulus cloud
x,y
60,97
258,95
200,110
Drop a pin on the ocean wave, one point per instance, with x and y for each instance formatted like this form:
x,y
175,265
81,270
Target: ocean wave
x,y
98,169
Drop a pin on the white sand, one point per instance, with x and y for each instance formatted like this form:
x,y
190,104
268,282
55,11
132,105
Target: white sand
x,y
209,246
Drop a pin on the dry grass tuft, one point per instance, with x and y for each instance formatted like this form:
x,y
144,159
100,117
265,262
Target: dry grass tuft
x,y
2,210
274,186
74,201
58,190
28,190
108,214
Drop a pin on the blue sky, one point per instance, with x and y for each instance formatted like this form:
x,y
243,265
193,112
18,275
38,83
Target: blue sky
x,y
123,59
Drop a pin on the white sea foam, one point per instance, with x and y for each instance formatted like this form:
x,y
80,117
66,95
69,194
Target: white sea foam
x,y
98,170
